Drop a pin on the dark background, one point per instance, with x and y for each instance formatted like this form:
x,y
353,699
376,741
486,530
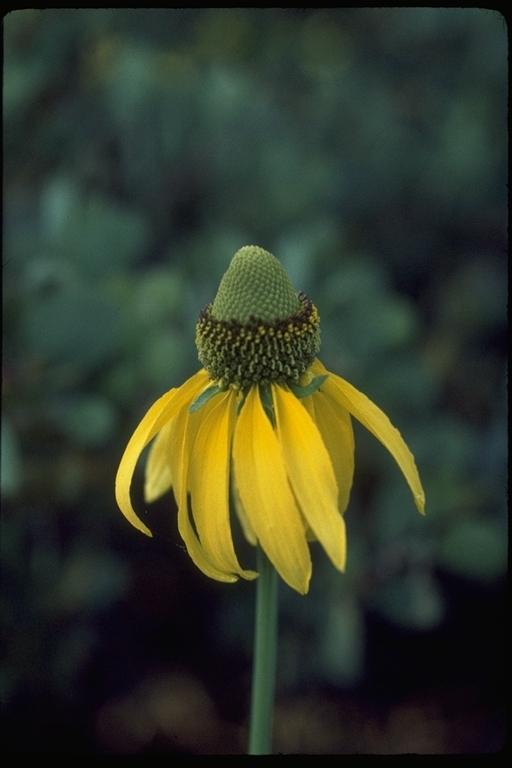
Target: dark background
x,y
367,149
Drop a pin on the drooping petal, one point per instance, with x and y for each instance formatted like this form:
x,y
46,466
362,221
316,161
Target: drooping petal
x,y
158,467
242,517
311,474
335,427
187,426
376,421
164,461
266,495
208,481
140,438
158,415
196,551
184,396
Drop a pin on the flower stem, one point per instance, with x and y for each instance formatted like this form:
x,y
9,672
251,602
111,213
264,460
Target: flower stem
x,y
264,663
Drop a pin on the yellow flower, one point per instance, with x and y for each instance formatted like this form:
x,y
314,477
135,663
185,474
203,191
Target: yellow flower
x,y
264,423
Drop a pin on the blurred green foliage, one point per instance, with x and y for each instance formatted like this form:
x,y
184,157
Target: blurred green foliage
x,y
366,148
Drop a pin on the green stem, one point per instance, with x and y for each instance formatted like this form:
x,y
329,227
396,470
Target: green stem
x,y
264,663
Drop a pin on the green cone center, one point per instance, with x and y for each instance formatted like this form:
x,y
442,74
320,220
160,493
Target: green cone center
x,y
255,285
258,329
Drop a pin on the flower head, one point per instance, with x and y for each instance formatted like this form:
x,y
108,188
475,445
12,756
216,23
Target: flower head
x,y
264,423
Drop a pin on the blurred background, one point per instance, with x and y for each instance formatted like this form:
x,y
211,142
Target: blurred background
x,y
367,149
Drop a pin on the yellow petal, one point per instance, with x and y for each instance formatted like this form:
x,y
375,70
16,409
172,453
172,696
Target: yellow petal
x,y
266,496
379,425
158,468
242,517
140,438
195,550
335,427
158,415
310,472
160,476
187,426
163,467
208,481
184,397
